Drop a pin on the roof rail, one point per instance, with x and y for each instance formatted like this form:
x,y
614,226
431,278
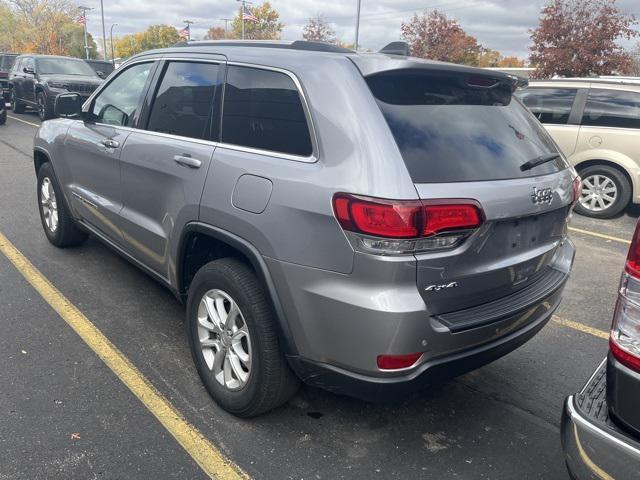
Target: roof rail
x,y
296,45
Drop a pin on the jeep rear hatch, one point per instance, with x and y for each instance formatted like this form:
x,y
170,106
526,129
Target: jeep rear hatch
x,y
465,140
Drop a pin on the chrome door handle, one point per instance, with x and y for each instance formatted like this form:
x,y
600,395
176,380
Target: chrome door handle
x,y
187,161
110,143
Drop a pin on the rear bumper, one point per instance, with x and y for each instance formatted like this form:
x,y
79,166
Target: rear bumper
x,y
594,447
386,389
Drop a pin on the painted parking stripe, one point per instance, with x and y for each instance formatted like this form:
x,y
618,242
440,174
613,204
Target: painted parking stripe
x,y
206,455
599,235
23,121
581,327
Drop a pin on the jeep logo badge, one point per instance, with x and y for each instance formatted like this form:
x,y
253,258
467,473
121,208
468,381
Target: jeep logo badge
x,y
541,195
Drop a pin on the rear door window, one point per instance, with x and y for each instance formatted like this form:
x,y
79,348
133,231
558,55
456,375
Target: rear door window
x,y
184,101
263,109
549,105
455,128
612,108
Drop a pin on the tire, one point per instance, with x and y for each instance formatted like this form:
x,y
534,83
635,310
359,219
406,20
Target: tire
x,y
60,229
16,105
600,183
268,380
3,116
44,110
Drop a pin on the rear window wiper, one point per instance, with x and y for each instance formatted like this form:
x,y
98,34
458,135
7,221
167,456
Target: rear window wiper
x,y
534,162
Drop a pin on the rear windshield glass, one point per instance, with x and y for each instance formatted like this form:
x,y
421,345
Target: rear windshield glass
x,y
456,128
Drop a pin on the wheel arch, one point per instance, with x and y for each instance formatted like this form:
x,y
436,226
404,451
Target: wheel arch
x,y
40,157
620,166
217,243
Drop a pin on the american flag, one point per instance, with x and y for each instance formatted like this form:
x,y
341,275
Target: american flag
x,y
184,33
248,15
82,19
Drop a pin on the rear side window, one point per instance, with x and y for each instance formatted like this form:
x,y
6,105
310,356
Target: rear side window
x,y
263,109
184,100
549,105
612,108
455,128
6,62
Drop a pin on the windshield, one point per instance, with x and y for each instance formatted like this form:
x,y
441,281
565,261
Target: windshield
x,y
6,62
63,66
456,128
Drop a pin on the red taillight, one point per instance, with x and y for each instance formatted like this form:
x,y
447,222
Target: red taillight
x,y
396,362
386,219
632,266
577,189
625,330
441,218
624,357
404,218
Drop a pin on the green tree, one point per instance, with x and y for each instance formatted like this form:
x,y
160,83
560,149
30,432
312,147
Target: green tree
x,y
156,36
73,40
268,26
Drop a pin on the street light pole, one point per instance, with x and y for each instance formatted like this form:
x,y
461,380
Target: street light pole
x,y
84,15
226,23
357,25
104,36
113,58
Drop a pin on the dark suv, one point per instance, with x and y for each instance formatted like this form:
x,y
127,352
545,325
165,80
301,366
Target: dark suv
x,y
36,80
370,223
6,62
601,424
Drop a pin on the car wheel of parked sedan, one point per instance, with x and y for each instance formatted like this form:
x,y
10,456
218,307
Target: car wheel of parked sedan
x,y
233,340
606,191
44,110
16,105
58,224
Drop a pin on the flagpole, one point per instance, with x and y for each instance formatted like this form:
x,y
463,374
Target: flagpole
x,y
84,15
189,23
243,2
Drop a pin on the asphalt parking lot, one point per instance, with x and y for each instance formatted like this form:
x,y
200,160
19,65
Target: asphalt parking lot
x,y
66,415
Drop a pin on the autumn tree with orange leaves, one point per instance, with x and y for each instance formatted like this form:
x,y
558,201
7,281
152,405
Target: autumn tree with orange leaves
x,y
433,35
578,38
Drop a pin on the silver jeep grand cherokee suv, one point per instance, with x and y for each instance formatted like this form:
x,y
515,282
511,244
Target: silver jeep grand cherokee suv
x,y
367,223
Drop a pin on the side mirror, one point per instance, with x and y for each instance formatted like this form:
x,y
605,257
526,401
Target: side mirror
x,y
29,70
68,105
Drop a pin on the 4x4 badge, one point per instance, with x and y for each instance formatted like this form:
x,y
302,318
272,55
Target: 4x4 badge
x,y
541,195
437,288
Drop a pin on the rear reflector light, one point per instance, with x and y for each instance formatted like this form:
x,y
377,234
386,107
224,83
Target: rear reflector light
x,y
404,218
625,330
397,362
577,189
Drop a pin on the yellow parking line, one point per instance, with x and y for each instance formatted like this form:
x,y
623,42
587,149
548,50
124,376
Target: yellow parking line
x,y
206,455
600,235
580,327
23,121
